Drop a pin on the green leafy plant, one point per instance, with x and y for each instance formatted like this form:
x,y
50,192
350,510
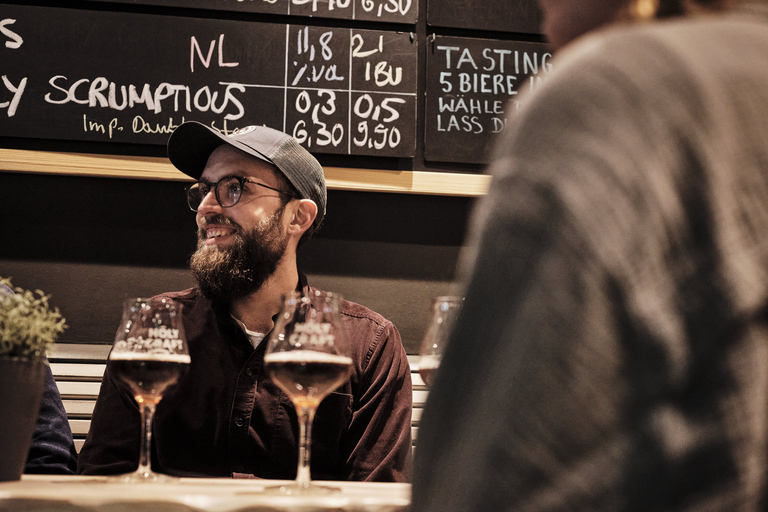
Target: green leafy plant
x,y
28,325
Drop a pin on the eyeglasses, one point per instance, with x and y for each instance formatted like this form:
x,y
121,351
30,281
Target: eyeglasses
x,y
227,190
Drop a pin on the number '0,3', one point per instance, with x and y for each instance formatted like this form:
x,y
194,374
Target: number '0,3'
x,y
326,105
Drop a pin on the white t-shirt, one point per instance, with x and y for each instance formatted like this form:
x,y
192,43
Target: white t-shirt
x,y
254,337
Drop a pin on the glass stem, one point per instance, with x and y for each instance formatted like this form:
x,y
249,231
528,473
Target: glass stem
x,y
147,418
306,415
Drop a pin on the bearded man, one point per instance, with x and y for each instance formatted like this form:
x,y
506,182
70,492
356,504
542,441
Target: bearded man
x,y
258,196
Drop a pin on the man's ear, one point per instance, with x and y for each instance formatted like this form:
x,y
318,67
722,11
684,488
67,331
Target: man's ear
x,y
303,216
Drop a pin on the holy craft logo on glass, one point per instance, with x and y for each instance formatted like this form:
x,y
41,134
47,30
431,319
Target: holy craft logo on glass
x,y
312,334
160,339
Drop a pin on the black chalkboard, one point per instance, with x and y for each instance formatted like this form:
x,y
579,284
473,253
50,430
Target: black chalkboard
x,y
521,16
392,11
472,90
122,77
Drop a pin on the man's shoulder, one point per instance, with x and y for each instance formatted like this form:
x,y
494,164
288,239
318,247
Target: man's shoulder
x,y
363,313
188,296
354,312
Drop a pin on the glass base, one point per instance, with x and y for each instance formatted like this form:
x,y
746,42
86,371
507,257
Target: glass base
x,y
140,477
296,489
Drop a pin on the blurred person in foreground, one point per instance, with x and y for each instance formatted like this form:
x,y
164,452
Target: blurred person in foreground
x,y
612,351
258,196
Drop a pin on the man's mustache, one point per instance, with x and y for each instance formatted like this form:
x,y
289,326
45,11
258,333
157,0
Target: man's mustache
x,y
218,219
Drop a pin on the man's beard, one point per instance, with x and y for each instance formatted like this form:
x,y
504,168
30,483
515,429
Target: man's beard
x,y
228,273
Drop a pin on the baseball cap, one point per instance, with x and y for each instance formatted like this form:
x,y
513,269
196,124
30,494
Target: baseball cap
x,y
191,144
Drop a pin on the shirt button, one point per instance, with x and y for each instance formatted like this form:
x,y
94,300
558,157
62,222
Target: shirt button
x,y
249,372
239,422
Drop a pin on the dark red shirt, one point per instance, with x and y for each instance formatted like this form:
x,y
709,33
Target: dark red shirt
x,y
226,418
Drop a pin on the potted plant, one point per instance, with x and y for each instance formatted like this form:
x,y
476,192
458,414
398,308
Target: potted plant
x,y
28,326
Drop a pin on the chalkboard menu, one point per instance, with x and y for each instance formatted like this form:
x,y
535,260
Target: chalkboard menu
x,y
392,11
521,16
472,91
125,77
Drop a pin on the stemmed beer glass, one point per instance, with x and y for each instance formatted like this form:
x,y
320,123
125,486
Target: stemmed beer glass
x,y
444,311
307,356
149,355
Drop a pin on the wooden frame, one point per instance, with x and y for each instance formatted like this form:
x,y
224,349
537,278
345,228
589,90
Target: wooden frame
x,y
152,168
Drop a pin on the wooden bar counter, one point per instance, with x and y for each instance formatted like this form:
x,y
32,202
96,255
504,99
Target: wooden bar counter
x,y
38,493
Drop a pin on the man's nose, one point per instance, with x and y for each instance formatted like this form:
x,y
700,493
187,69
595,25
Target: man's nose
x,y
209,204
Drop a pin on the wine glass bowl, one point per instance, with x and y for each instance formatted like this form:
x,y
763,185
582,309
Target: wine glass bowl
x,y
443,313
307,357
148,356
307,376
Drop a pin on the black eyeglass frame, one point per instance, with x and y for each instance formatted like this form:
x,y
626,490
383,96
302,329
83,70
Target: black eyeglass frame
x,y
215,187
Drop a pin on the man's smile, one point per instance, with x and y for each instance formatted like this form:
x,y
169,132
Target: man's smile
x,y
218,234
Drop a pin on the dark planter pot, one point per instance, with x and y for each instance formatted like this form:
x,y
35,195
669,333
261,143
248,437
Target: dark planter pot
x,y
21,389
